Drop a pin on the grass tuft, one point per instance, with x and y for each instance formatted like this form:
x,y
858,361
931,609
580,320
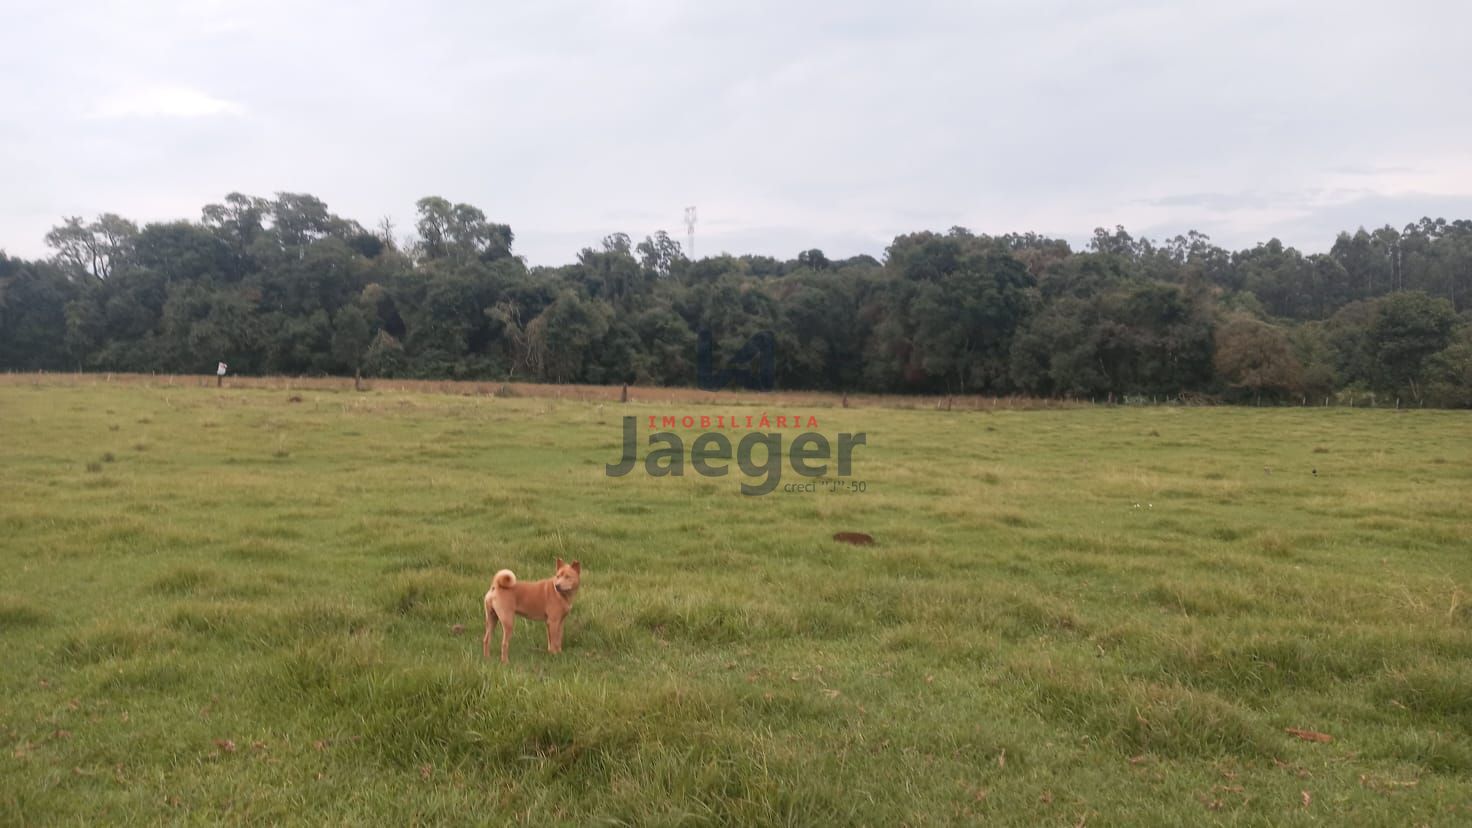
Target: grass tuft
x,y
184,580
109,640
16,614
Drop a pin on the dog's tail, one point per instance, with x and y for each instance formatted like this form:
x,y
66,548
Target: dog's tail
x,y
505,579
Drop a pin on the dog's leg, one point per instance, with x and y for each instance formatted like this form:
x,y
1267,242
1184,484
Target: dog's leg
x,y
506,625
554,635
485,643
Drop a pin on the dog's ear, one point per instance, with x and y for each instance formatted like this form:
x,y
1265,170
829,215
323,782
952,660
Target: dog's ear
x,y
577,566
559,563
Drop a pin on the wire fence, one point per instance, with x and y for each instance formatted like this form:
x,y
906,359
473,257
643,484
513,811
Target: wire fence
x,y
1352,398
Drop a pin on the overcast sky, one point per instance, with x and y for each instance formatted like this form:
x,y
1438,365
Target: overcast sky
x,y
790,125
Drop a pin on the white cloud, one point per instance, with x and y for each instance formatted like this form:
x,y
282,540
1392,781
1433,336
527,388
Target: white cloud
x,y
165,102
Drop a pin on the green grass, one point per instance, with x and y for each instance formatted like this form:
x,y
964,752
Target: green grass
x,y
225,606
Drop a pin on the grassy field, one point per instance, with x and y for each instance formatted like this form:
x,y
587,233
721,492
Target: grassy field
x,y
226,605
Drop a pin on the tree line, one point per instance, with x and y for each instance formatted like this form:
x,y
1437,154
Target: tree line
x,y
283,286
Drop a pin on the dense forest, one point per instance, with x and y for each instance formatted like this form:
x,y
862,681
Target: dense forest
x,y
284,286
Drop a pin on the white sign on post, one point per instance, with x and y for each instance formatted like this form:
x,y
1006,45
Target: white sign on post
x,y
220,372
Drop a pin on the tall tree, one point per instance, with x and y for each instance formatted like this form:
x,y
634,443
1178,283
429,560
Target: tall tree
x,y
1256,357
92,249
1407,329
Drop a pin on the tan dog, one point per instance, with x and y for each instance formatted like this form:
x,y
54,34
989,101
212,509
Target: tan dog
x,y
549,600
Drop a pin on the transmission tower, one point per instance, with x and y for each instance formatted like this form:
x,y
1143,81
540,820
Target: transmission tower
x,y
690,230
